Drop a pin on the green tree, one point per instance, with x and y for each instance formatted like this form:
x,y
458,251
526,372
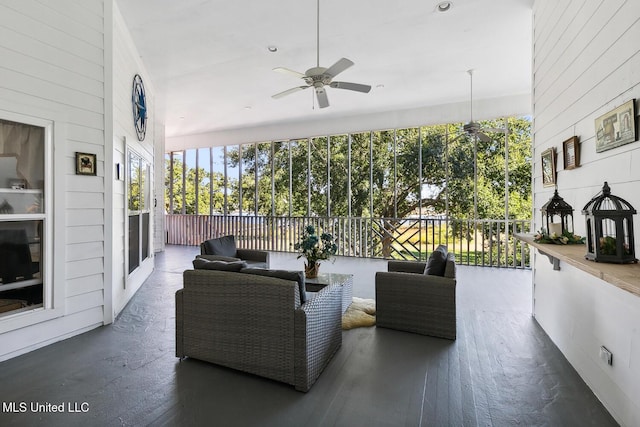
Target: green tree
x,y
377,174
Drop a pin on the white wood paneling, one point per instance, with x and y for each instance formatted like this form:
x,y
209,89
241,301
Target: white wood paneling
x,y
89,233
84,284
52,67
77,217
84,251
83,268
587,62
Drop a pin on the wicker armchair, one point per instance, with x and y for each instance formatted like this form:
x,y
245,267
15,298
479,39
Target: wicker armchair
x,y
224,248
409,300
256,324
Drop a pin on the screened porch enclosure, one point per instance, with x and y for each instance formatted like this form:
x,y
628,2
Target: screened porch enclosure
x,y
383,194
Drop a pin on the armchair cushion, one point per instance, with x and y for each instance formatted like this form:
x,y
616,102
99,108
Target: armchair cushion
x,y
437,262
225,246
295,276
203,264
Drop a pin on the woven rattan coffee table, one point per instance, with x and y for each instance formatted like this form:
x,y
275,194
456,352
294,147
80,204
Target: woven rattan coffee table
x,y
324,279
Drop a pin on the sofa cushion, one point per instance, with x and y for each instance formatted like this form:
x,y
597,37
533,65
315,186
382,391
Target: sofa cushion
x,y
203,264
437,262
295,276
225,246
450,270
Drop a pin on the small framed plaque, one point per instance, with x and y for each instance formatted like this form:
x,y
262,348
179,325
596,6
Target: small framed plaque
x,y
85,164
571,153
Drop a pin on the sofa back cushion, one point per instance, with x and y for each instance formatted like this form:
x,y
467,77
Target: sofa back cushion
x,y
450,269
204,264
225,246
437,262
294,276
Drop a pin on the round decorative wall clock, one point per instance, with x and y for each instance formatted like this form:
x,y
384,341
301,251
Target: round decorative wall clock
x,y
139,104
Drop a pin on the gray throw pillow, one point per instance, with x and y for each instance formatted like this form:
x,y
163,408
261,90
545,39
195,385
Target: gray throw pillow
x,y
225,246
203,264
218,258
295,276
437,262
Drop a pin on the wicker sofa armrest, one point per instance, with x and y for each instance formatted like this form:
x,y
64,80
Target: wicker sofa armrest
x,y
416,267
179,324
416,303
318,335
253,255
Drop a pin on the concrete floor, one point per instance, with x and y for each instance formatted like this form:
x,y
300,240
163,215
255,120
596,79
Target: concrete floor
x,y
501,371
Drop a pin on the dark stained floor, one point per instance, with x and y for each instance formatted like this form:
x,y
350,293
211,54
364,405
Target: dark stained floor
x,y
501,371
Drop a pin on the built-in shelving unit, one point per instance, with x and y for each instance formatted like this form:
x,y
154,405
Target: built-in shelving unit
x,y
623,276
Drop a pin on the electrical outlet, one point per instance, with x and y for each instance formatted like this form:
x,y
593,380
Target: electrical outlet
x,y
606,355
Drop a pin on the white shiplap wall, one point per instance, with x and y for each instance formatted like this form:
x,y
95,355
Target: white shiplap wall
x,y
71,63
52,67
587,62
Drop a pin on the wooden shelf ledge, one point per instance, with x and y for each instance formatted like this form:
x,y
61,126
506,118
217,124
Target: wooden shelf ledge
x,y
623,276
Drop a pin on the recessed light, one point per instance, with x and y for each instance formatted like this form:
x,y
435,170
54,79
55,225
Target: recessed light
x,y
444,6
272,48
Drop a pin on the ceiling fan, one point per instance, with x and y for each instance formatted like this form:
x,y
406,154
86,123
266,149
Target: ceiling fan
x,y
320,77
473,128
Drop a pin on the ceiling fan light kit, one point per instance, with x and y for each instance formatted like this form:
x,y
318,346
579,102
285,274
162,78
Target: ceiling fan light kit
x,y
319,77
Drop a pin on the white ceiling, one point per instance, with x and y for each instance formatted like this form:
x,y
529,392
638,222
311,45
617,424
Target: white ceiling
x,y
211,70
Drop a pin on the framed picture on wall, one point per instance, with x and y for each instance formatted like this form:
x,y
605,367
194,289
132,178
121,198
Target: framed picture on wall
x,y
571,153
85,164
617,127
549,167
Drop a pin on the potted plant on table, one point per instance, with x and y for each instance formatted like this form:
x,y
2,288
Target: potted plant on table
x,y
315,249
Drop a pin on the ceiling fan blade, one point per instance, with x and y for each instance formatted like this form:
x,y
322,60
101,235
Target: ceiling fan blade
x,y
351,86
455,138
496,130
323,101
288,71
288,92
338,67
483,137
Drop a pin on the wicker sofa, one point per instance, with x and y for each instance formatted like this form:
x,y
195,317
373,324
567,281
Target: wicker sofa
x,y
409,300
257,324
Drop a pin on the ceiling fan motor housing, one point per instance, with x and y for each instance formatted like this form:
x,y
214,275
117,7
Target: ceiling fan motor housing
x,y
471,127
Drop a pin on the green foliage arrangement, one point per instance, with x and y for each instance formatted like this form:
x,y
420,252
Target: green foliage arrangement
x,y
566,238
315,248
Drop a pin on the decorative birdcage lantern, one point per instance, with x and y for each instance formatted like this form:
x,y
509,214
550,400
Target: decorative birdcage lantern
x,y
557,209
609,228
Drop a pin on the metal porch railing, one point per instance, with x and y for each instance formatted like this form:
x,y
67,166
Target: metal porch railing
x,y
483,242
